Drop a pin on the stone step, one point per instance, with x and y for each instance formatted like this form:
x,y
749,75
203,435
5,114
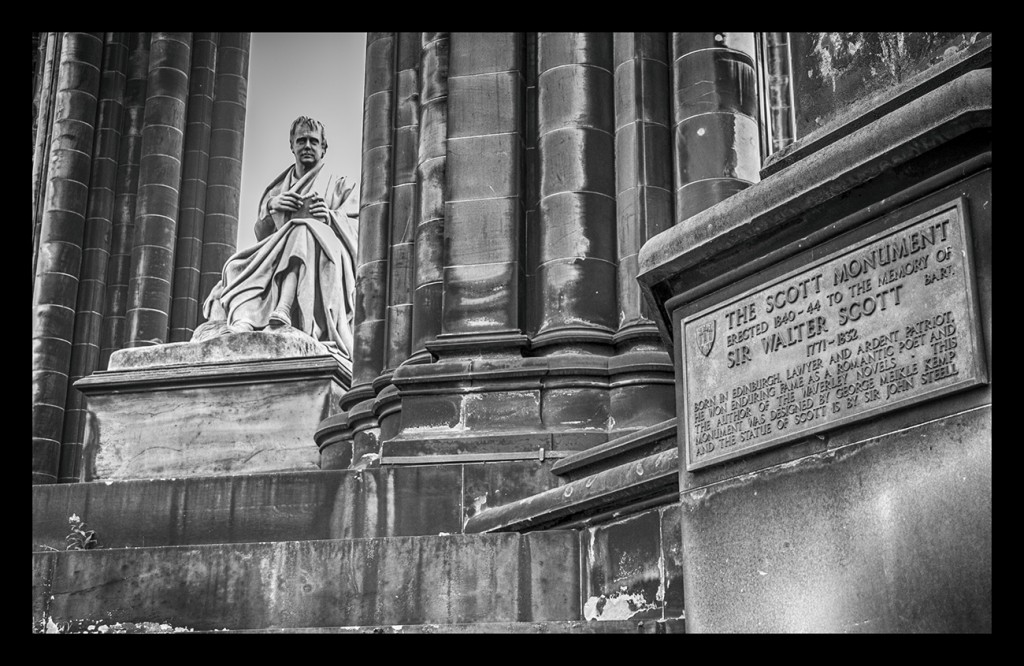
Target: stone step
x,y
408,500
551,627
444,580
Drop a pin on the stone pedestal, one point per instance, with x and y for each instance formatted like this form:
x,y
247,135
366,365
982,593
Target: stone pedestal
x,y
236,404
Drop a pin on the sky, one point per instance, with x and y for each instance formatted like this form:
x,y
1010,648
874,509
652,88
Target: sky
x,y
292,74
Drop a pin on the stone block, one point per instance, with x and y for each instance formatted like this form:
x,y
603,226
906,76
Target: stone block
x,y
489,485
485,104
235,404
410,500
622,578
332,583
484,167
575,408
672,558
422,499
890,535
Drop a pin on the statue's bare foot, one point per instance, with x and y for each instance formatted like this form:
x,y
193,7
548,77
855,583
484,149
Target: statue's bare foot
x,y
241,326
280,317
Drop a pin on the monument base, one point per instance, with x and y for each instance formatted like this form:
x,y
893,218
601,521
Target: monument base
x,y
241,403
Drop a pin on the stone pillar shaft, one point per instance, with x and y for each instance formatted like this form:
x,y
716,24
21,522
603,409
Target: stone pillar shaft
x,y
60,245
715,130
404,199
374,217
50,47
531,187
192,204
156,217
430,178
96,249
125,198
220,229
483,276
577,264
643,160
778,110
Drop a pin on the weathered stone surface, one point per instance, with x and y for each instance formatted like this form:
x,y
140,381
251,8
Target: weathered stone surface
x,y
890,535
652,479
409,500
631,447
490,485
555,627
622,576
253,400
285,342
402,580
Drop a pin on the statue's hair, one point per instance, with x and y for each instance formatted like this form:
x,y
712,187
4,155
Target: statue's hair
x,y
310,124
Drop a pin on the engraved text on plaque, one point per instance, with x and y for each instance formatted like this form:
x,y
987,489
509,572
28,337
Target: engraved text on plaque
x,y
888,321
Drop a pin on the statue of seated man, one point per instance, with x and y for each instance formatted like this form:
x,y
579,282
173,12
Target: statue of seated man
x,y
301,272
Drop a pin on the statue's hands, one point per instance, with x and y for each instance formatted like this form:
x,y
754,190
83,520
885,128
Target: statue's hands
x,y
287,201
318,209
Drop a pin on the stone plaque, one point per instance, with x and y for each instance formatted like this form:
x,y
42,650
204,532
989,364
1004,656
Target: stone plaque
x,y
888,321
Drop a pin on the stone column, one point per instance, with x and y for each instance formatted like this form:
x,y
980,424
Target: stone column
x,y
353,433
125,198
576,275
192,204
777,121
404,216
483,276
374,217
152,268
430,178
50,47
220,229
85,351
642,384
717,148
531,187
404,200
60,245
643,160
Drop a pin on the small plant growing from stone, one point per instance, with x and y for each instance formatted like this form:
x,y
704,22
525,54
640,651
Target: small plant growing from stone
x,y
79,538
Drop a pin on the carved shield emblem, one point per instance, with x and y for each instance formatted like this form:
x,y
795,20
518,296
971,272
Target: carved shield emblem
x,y
706,335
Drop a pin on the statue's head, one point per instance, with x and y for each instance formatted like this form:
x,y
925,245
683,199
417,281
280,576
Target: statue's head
x,y
307,140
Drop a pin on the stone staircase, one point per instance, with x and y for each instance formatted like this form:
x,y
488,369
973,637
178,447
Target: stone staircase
x,y
345,551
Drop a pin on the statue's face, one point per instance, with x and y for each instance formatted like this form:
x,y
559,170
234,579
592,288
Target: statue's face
x,y
307,146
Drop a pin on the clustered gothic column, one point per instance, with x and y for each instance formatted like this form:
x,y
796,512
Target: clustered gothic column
x,y
192,205
430,182
96,246
47,63
554,157
115,107
404,217
125,195
404,200
369,326
220,230
156,215
60,244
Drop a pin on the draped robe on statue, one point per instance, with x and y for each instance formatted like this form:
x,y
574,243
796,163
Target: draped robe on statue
x,y
324,305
